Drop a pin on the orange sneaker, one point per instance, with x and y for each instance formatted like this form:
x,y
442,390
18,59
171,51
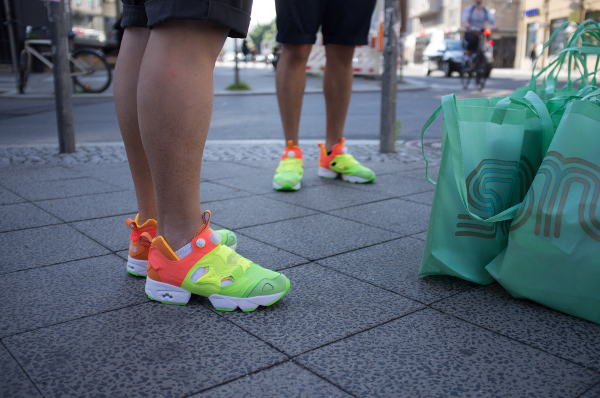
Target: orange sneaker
x,y
211,270
137,260
339,161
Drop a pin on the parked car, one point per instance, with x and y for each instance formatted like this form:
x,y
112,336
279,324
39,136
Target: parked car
x,y
447,56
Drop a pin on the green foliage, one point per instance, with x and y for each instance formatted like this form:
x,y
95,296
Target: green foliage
x,y
241,86
398,128
263,32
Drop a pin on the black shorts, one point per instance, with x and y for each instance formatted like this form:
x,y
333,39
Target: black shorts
x,y
472,41
342,21
233,14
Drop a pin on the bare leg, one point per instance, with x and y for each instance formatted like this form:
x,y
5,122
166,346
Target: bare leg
x,y
175,97
125,96
290,80
337,88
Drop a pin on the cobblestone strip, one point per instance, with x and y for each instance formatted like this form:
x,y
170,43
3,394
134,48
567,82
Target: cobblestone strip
x,y
406,152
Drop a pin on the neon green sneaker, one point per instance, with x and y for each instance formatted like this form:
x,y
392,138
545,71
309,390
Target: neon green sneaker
x,y
211,270
339,161
289,172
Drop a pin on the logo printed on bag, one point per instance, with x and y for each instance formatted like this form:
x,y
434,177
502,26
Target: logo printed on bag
x,y
561,176
487,185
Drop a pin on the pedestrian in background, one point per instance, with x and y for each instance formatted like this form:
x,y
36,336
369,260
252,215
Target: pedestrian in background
x,y
532,55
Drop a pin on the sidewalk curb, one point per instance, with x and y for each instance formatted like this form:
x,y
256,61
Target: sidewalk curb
x,y
220,93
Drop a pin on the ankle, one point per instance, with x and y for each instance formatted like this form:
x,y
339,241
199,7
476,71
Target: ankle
x,y
178,236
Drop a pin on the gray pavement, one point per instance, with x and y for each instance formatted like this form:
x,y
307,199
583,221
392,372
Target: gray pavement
x,y
357,321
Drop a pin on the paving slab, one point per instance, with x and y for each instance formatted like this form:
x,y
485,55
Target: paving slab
x,y
560,334
41,190
592,393
285,380
111,232
253,210
24,215
91,206
426,198
394,266
219,170
324,238
266,255
149,350
210,192
259,164
35,173
396,185
396,215
381,168
14,383
114,173
330,310
435,355
327,197
7,197
262,182
37,247
419,174
66,291
422,236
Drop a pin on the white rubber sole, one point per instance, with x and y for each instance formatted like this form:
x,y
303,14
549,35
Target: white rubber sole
x,y
137,267
326,173
170,294
277,186
166,293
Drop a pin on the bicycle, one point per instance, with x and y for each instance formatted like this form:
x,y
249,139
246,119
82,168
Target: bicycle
x,y
89,69
476,62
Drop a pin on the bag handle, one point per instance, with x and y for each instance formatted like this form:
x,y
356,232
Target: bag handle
x,y
425,126
453,133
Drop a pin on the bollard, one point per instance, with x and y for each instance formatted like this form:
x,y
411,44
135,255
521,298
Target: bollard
x,y
62,80
387,137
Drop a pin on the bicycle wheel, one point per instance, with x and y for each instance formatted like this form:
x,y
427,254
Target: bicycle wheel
x,y
89,70
465,75
23,72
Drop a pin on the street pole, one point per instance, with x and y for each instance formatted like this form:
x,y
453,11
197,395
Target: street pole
x,y
11,39
62,81
387,137
237,71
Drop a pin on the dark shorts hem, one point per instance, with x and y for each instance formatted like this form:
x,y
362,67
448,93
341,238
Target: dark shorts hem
x,y
149,13
134,16
346,40
296,39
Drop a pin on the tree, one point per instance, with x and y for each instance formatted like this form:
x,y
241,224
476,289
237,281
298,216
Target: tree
x,y
262,32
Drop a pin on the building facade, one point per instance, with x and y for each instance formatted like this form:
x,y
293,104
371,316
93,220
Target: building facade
x,y
541,18
435,20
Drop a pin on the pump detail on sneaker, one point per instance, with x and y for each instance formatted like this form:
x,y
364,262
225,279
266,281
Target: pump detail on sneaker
x,y
289,172
137,260
211,270
340,162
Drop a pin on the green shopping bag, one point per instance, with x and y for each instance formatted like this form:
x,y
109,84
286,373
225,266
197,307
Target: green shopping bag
x,y
574,55
491,148
553,253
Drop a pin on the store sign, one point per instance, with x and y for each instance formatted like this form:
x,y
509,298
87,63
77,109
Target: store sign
x,y
531,13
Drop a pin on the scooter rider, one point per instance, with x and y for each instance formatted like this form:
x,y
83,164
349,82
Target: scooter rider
x,y
474,18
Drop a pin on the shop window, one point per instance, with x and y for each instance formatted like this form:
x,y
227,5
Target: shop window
x,y
561,38
532,29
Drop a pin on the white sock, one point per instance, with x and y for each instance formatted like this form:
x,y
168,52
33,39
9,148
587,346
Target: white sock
x,y
184,251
